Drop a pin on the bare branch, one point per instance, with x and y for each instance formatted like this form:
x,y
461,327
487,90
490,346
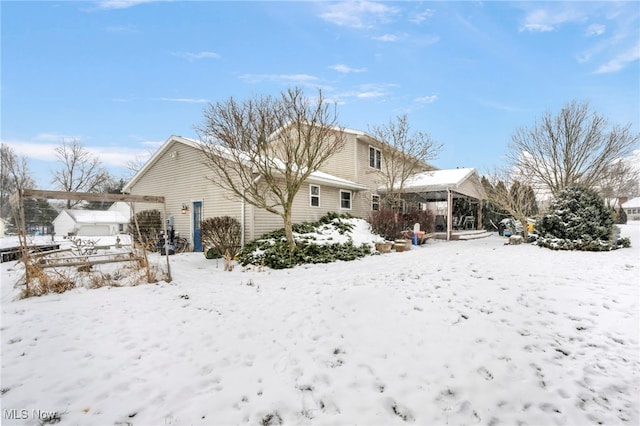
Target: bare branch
x,y
263,149
505,190
80,172
403,154
14,177
573,147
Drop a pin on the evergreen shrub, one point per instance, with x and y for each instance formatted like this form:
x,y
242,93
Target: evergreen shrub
x,y
578,220
272,249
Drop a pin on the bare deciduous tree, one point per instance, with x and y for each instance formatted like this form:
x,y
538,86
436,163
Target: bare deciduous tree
x,y
80,172
263,149
403,154
620,179
14,176
574,147
504,190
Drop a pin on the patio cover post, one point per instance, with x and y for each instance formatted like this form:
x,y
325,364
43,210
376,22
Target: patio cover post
x,y
449,214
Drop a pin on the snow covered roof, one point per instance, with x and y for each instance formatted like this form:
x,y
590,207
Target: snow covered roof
x,y
330,180
316,177
464,181
633,203
97,216
439,179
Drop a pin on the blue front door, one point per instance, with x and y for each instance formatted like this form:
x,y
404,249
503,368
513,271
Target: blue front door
x,y
197,219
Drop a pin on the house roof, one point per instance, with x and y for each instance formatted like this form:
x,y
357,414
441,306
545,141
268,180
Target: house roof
x,y
633,203
96,216
330,180
446,180
316,177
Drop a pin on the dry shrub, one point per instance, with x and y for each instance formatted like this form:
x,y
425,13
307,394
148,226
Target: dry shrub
x,y
41,282
392,224
228,261
149,226
224,235
100,279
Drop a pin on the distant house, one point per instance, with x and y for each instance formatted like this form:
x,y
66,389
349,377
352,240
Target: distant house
x,y
93,222
3,224
632,208
348,182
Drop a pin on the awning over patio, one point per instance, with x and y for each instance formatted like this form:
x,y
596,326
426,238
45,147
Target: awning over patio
x,y
446,185
437,183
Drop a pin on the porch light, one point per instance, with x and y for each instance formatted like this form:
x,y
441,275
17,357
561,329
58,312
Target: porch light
x,y
185,209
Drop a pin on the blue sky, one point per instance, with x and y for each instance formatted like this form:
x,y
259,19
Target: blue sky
x,y
121,76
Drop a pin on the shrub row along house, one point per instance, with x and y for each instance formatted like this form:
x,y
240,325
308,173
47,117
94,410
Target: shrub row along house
x,y
349,181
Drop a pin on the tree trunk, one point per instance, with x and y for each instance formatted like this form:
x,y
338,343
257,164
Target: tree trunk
x,y
525,226
288,229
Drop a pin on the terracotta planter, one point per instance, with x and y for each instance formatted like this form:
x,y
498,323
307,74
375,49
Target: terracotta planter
x,y
402,245
384,247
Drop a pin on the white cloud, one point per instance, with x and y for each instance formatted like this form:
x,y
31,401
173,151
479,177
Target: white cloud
x,y
549,19
595,29
388,38
345,69
190,56
365,91
358,14
121,4
55,137
279,78
370,94
34,150
426,99
423,16
621,60
109,156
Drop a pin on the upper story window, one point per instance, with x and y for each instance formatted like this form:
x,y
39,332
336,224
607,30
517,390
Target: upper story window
x,y
314,194
345,199
375,158
375,202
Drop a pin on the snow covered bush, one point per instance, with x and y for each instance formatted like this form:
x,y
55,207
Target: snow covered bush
x,y
324,241
577,220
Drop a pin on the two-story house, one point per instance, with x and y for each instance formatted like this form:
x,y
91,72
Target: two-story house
x,y
348,182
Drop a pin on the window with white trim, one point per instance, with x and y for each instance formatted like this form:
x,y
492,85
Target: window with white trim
x,y
314,195
375,202
345,199
375,158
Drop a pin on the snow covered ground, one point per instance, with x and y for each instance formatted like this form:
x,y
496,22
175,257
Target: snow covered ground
x,y
466,332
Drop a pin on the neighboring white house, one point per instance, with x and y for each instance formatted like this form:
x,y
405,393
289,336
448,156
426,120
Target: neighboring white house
x,y
2,227
93,222
632,208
